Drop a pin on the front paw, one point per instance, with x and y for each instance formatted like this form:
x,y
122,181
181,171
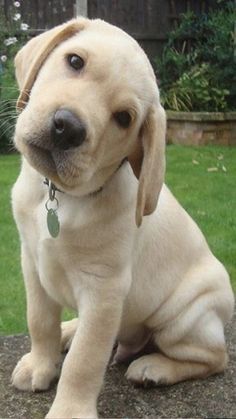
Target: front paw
x,y
69,409
31,374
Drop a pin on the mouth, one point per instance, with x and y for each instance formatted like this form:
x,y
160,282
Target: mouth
x,y
53,163
40,156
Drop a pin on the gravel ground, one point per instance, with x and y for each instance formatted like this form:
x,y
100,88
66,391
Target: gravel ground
x,y
214,397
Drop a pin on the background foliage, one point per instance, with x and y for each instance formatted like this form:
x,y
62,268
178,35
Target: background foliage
x,y
197,69
13,34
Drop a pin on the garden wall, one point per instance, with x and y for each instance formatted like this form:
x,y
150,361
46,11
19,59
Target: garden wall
x,y
201,128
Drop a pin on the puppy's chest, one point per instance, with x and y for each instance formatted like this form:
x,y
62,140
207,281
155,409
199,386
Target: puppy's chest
x,y
60,269
55,264
83,248
54,275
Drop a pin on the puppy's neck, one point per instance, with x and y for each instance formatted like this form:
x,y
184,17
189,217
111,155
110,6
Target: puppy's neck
x,y
53,188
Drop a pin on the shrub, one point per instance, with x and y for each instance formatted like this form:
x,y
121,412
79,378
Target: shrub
x,y
13,34
197,69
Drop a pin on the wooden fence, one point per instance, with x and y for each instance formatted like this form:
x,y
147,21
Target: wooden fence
x,y
149,21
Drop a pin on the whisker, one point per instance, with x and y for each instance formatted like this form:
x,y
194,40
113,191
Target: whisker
x,y
7,124
5,114
8,129
11,148
11,87
8,117
7,109
4,107
7,103
11,145
13,101
9,100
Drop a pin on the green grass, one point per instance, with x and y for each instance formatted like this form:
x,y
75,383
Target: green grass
x,y
209,197
12,303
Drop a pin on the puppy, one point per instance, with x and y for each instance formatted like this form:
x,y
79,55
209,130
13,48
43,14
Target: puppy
x,y
91,123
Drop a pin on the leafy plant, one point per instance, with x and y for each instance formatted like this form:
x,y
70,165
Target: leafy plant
x,y
197,70
193,90
13,34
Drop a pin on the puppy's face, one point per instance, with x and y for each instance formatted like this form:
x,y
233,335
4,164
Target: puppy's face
x,y
87,107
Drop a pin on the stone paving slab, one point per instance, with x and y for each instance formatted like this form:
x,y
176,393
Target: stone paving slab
x,y
214,397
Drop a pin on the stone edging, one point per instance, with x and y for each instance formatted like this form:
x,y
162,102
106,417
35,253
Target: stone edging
x,y
201,116
201,128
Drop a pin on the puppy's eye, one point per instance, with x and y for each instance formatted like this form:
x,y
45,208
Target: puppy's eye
x,y
123,118
75,61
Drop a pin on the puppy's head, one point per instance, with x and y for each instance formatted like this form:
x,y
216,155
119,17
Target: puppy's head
x,y
88,100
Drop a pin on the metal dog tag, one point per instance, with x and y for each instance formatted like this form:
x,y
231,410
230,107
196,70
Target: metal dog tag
x,y
52,217
53,223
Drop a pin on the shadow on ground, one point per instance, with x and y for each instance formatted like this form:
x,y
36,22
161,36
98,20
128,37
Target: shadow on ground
x,y
210,398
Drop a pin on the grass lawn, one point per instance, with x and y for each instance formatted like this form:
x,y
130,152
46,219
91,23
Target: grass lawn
x,y
208,195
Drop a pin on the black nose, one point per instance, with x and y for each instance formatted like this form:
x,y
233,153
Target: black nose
x,y
67,130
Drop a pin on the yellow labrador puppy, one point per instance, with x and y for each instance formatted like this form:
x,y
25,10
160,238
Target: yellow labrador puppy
x,y
92,125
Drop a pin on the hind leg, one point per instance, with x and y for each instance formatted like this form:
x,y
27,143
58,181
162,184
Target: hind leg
x,y
199,354
188,329
68,329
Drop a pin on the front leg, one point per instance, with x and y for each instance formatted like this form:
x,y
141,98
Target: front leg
x,y
84,367
37,369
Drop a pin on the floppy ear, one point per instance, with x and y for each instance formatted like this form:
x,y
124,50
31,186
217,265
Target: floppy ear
x,y
31,57
148,162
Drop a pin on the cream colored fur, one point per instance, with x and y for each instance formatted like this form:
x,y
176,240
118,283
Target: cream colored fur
x,y
158,282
